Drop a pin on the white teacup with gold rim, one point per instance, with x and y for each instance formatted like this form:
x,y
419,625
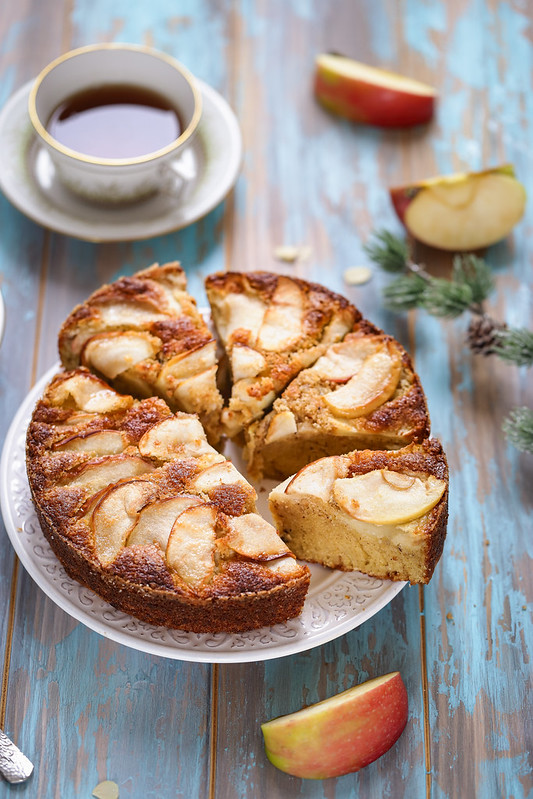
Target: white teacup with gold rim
x,y
114,118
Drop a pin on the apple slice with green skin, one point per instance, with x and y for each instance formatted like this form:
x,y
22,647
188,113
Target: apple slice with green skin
x,y
363,93
342,734
387,497
461,212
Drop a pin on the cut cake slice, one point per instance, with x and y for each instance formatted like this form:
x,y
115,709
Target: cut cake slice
x,y
382,513
141,509
144,335
271,326
363,393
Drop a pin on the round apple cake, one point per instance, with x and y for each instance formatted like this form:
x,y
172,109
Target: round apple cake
x,y
124,449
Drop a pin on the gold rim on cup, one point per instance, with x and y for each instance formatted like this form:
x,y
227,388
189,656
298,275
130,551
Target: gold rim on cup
x,y
186,134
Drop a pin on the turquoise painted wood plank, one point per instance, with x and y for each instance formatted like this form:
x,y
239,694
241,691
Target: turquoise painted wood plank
x,y
479,678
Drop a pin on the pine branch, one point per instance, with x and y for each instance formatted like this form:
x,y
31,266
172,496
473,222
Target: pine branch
x,y
388,251
514,345
518,427
474,272
404,293
446,298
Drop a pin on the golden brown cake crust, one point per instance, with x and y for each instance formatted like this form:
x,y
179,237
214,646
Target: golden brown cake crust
x,y
241,593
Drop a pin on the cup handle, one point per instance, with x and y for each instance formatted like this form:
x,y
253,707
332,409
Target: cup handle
x,y
175,175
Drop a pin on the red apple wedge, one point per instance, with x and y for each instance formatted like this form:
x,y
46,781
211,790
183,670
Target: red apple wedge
x,y
461,212
341,734
366,94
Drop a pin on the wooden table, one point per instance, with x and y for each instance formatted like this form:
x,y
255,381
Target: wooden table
x,y
87,709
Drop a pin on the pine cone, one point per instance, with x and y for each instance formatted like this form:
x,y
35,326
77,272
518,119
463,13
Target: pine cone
x,y
481,334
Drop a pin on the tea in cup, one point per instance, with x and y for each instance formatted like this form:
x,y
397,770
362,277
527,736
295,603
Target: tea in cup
x,y
114,118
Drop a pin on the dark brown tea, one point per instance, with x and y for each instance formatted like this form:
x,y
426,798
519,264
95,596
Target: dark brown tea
x,y
115,121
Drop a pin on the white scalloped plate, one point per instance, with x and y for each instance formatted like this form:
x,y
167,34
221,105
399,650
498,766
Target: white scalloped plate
x,y
337,602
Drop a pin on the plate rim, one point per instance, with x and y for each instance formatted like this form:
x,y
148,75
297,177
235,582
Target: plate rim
x,y
40,216
239,655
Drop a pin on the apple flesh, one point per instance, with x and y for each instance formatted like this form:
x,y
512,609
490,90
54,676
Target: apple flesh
x,y
461,212
342,734
363,93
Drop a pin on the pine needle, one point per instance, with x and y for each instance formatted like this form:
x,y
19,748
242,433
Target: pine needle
x,y
388,251
515,345
518,427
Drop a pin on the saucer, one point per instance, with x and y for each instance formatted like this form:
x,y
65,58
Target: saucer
x,y
209,167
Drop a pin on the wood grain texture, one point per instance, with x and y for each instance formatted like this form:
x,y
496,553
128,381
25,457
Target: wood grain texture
x,y
86,709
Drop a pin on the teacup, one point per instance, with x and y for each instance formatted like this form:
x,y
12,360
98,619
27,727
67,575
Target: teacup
x,y
106,68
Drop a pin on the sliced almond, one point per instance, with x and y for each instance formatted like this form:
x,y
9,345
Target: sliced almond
x,y
115,515
114,353
371,498
373,385
357,275
253,537
106,790
191,545
155,521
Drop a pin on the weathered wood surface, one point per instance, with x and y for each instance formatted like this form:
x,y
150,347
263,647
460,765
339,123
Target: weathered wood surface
x,y
85,709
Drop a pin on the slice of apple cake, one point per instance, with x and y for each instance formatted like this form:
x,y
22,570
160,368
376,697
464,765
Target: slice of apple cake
x,y
145,336
271,326
382,513
362,393
141,509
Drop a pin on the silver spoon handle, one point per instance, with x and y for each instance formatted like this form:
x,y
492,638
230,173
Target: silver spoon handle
x,y
14,766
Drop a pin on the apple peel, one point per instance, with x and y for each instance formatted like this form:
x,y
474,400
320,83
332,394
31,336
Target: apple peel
x,y
341,734
374,96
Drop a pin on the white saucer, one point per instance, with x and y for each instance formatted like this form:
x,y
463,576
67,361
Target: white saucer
x,y
27,178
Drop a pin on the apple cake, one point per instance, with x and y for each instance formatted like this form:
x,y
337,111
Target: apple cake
x,y
271,327
139,507
362,393
383,513
145,336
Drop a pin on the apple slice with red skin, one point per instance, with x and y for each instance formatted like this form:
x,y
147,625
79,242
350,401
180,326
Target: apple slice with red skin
x,y
342,734
367,94
461,212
